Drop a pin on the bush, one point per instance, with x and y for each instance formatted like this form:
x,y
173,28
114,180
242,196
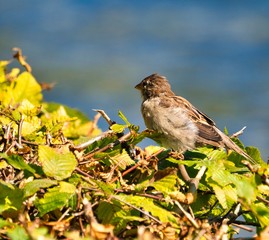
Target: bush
x,y
61,177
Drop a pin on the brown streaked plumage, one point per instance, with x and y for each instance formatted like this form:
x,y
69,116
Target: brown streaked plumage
x,y
179,124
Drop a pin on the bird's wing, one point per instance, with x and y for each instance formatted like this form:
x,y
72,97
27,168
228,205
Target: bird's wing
x,y
207,129
208,133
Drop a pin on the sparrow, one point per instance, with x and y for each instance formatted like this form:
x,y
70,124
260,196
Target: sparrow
x,y
179,125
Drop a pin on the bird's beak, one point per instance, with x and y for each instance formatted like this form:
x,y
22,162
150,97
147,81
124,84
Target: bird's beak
x,y
139,86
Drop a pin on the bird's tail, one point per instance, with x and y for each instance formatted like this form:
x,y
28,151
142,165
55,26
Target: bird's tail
x,y
233,146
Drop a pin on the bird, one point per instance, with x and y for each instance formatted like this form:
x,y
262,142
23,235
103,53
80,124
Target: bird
x,y
179,125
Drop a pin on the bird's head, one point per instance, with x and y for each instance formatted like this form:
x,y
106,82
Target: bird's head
x,y
154,85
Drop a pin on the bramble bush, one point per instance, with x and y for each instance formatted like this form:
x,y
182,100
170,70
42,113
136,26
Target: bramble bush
x,y
61,177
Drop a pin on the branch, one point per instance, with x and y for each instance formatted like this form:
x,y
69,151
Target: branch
x,y
111,145
105,116
190,196
189,217
236,134
91,141
21,59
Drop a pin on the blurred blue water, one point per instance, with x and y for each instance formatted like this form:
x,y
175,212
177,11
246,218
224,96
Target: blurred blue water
x,y
215,53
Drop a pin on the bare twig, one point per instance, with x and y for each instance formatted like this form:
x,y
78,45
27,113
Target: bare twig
x,y
20,129
94,123
91,141
155,197
105,116
47,86
246,223
189,217
223,231
236,134
83,173
21,59
111,145
64,214
200,234
243,227
31,143
265,179
184,172
48,138
88,210
263,200
190,196
7,132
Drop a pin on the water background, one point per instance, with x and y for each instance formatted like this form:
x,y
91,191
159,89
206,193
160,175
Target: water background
x,y
215,53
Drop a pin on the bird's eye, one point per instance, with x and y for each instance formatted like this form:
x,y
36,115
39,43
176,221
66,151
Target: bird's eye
x,y
147,83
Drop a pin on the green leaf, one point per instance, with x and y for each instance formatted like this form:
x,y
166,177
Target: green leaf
x,y
3,65
122,160
255,154
55,198
3,164
167,184
11,199
4,223
150,150
31,188
148,205
213,154
24,87
72,112
106,188
58,163
107,210
17,162
17,233
118,128
223,177
220,194
121,221
124,118
28,109
231,195
203,204
246,189
262,213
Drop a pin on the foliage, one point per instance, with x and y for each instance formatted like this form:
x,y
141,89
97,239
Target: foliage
x,y
62,178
